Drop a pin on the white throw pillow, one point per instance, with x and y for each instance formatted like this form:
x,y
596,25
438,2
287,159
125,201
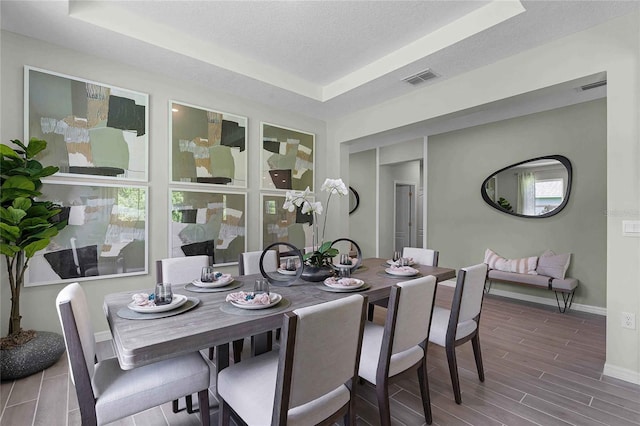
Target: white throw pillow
x,y
553,265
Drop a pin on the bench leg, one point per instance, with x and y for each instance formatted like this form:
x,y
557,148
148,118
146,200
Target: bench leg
x,y
487,286
567,299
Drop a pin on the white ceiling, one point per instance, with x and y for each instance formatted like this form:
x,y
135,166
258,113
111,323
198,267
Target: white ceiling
x,y
319,58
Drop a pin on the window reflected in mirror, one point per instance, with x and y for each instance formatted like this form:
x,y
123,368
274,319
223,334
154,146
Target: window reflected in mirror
x,y
538,187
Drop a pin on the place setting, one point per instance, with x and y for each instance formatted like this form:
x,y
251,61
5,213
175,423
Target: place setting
x,y
160,304
343,282
399,267
255,302
212,281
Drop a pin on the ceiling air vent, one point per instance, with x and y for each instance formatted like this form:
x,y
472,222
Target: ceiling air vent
x,y
420,77
593,85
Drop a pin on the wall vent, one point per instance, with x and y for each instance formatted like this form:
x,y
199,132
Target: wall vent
x,y
420,77
593,85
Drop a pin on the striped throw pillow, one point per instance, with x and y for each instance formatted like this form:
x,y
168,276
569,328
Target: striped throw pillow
x,y
526,265
495,261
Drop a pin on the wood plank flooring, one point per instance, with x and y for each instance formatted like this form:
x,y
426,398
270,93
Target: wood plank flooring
x,y
541,368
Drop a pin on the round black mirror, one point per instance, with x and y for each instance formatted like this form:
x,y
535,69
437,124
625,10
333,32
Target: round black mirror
x,y
536,188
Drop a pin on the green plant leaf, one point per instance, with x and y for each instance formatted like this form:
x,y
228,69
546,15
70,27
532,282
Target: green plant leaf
x,y
19,143
16,215
332,252
325,246
9,250
35,146
7,151
48,171
9,232
18,182
31,249
22,203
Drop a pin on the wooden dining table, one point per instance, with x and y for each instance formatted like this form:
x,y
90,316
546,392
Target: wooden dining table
x,y
213,322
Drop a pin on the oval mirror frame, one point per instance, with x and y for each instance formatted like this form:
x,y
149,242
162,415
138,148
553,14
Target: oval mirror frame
x,y
354,200
560,158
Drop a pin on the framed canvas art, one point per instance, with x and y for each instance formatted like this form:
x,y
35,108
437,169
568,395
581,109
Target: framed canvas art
x,y
280,225
92,129
209,223
288,158
207,146
106,235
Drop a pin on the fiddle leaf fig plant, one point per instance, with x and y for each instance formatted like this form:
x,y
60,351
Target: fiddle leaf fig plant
x,y
26,224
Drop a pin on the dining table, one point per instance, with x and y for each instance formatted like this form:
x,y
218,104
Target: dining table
x,y
214,322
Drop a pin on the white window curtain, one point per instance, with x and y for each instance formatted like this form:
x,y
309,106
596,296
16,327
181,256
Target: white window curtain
x,y
526,193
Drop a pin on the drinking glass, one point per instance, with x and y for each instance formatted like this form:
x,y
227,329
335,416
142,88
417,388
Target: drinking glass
x,y
403,261
290,265
207,275
163,294
396,256
261,286
345,260
344,272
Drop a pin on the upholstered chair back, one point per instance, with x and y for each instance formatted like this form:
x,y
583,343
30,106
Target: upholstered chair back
x,y
421,256
249,262
413,316
74,294
472,292
180,270
326,348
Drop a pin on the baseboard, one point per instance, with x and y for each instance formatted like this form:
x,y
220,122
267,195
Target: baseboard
x,y
536,299
102,336
621,373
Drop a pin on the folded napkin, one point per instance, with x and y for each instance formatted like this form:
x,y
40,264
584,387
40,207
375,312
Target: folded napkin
x,y
407,269
344,281
248,298
142,299
397,262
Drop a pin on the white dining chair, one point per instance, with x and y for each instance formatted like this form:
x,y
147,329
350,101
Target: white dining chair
x,y
421,256
311,380
455,326
181,270
249,264
401,344
106,392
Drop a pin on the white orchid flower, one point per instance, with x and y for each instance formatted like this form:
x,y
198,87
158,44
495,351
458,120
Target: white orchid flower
x,y
334,186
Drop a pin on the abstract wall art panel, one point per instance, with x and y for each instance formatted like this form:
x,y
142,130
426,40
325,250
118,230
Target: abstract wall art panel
x,y
105,236
92,129
209,223
207,147
280,225
287,160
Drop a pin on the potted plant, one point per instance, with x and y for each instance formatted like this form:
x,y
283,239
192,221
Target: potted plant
x,y
317,264
26,227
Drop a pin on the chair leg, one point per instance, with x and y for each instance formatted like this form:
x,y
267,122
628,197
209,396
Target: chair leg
x,y
211,353
174,405
477,354
370,309
237,350
453,371
224,413
382,392
424,391
203,402
189,402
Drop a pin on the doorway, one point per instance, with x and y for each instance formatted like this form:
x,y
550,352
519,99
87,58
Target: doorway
x,y
405,229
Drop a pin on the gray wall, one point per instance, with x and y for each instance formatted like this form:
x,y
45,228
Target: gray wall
x,y
362,177
461,226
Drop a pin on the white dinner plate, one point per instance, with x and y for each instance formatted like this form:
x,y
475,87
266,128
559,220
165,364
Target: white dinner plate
x,y
409,272
287,272
275,299
335,283
392,262
177,301
225,279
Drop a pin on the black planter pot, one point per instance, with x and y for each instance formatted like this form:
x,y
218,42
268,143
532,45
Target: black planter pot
x,y
39,353
315,273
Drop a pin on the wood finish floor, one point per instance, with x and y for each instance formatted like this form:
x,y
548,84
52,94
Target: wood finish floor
x,y
541,367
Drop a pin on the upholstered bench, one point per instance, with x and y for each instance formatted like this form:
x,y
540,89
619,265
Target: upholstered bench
x,y
547,272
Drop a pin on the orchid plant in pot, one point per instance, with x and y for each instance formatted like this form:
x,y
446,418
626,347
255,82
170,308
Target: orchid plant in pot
x,y
317,262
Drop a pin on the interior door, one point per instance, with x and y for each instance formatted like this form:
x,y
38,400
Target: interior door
x,y
405,216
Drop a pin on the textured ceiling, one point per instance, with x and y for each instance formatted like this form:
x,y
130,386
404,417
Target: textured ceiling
x,y
322,59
